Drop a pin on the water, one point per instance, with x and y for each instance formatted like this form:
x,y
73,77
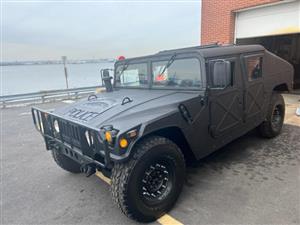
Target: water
x,y
32,78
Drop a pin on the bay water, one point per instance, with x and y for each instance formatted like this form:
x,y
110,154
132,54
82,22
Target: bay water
x,y
20,79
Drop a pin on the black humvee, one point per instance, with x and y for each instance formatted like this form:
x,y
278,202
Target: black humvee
x,y
162,110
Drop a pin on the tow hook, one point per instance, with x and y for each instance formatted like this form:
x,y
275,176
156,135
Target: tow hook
x,y
88,168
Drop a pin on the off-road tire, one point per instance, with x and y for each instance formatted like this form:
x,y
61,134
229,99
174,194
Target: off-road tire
x,y
65,162
267,129
126,179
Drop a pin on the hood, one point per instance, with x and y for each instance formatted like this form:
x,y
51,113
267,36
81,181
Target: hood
x,y
98,109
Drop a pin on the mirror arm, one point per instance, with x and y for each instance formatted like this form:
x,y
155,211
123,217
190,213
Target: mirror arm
x,y
106,79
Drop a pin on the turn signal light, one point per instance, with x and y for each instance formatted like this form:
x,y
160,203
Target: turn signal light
x,y
132,133
123,143
108,136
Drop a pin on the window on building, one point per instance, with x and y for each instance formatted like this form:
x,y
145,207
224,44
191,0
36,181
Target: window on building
x,y
254,67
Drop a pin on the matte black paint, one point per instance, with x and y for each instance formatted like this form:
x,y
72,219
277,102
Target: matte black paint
x,y
208,118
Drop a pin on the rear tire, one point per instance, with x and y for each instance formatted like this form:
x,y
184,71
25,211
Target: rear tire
x,y
147,186
65,162
272,126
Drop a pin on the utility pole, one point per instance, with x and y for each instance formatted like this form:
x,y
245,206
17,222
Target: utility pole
x,y
64,59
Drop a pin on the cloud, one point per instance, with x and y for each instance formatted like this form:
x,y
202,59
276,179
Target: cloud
x,y
85,30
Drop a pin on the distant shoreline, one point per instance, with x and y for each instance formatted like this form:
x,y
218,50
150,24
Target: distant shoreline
x,y
24,79
56,62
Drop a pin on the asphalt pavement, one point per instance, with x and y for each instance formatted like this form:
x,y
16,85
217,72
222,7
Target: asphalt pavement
x,y
250,181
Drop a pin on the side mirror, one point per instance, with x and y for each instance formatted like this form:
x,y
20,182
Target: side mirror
x,y
221,74
106,79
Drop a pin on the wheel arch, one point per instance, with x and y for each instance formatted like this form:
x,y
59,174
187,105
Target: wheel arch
x,y
176,135
283,87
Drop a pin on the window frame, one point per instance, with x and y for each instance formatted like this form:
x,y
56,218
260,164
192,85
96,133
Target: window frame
x,y
165,57
231,59
178,57
245,57
146,62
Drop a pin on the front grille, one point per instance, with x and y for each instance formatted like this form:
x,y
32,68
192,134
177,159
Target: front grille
x,y
70,133
70,138
75,135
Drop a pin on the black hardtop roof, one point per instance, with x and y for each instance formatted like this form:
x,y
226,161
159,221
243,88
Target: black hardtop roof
x,y
216,50
207,51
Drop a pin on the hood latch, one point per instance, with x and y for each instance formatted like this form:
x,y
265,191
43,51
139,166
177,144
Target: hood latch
x,y
126,100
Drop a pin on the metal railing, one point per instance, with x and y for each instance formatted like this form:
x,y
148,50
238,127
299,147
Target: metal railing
x,y
44,96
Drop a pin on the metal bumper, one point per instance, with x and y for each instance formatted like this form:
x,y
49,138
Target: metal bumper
x,y
71,139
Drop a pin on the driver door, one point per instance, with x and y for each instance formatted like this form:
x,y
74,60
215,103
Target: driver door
x,y
226,102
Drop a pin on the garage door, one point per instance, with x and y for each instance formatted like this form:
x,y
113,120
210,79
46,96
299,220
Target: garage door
x,y
282,18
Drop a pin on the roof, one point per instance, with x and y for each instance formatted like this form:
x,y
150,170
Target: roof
x,y
216,50
207,51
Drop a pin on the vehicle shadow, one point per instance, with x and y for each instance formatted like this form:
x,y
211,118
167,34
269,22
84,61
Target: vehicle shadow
x,y
250,179
250,156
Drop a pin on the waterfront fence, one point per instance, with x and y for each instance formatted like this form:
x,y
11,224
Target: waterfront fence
x,y
46,96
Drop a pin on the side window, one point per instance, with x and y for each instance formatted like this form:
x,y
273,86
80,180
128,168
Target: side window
x,y
222,73
254,67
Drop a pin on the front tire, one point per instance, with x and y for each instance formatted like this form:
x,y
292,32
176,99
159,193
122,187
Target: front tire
x,y
147,186
272,126
65,162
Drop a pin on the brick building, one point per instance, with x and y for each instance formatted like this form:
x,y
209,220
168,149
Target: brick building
x,y
273,23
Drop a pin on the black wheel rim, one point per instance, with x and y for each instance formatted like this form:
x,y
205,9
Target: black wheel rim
x,y
277,117
157,182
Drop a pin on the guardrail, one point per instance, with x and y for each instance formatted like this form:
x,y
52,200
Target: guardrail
x,y
44,96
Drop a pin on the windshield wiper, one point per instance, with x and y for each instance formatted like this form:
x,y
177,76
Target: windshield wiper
x,y
125,66
168,64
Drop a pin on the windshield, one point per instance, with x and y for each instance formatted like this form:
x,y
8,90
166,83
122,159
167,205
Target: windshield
x,y
182,73
174,74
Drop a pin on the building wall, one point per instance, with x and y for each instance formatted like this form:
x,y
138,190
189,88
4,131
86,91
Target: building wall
x,y
218,19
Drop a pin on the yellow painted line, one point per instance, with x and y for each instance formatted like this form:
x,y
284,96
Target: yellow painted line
x,y
102,177
293,120
164,220
168,220
99,90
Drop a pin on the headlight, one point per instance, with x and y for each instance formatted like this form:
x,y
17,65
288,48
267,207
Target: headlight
x,y
89,138
56,126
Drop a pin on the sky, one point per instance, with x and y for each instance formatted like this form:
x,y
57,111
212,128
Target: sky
x,y
42,30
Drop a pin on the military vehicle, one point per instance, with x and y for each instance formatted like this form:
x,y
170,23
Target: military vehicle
x,y
162,111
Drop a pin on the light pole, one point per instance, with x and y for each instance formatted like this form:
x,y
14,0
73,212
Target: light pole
x,y
64,59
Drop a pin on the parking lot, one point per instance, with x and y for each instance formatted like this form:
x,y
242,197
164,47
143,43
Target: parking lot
x,y
250,181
